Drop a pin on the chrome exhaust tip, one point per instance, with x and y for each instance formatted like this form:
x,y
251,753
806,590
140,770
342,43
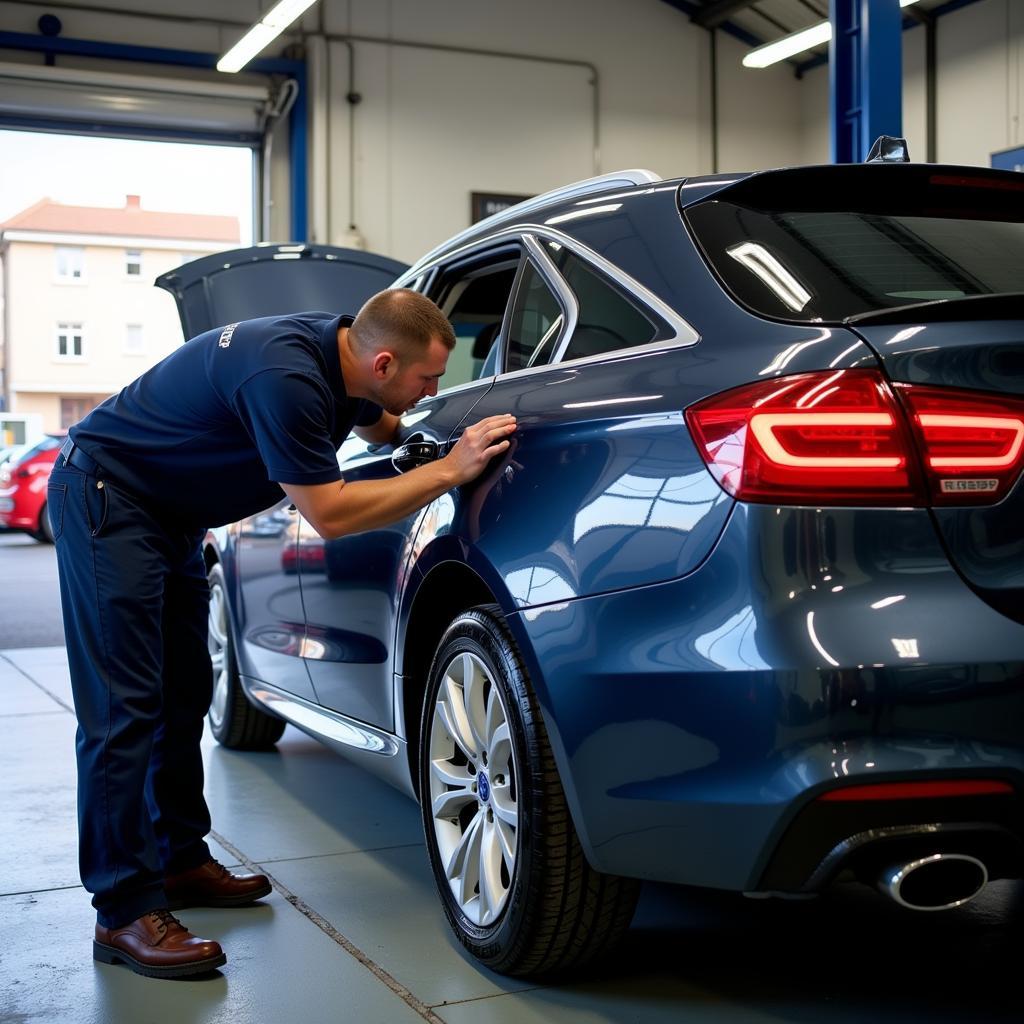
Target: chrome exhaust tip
x,y
939,882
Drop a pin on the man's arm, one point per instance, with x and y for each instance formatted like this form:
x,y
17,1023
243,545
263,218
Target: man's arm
x,y
340,508
384,431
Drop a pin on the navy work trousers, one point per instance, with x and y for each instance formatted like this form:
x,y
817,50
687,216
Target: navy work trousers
x,y
135,602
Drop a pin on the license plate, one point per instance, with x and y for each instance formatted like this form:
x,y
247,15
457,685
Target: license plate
x,y
6,504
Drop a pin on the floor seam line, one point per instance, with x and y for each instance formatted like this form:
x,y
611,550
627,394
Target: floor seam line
x,y
492,995
421,1008
30,714
340,853
38,686
34,892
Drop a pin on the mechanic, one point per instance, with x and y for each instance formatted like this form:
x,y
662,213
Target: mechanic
x,y
213,433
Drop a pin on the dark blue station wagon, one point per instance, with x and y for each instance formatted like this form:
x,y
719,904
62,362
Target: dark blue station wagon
x,y
742,606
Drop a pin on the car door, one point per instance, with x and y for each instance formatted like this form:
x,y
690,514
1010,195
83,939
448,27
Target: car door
x,y
600,436
269,617
351,600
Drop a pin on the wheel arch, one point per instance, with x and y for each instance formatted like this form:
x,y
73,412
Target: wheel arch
x,y
218,550
447,590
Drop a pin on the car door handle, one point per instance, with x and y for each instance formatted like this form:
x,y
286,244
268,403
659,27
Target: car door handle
x,y
417,451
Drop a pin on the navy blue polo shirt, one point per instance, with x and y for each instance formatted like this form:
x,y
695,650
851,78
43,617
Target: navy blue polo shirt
x,y
208,434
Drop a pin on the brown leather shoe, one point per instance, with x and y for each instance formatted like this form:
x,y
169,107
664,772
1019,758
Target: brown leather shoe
x,y
212,885
157,945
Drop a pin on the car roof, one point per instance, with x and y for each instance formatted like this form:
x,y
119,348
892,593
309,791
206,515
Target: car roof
x,y
778,181
633,179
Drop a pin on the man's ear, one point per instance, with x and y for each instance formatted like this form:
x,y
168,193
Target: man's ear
x,y
383,364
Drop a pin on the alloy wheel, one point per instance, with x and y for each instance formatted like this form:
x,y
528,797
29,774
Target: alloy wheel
x,y
473,774
217,643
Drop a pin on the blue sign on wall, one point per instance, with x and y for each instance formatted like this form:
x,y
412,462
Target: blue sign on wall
x,y
1009,159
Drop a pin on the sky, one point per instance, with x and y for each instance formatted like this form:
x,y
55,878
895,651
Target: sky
x,y
80,170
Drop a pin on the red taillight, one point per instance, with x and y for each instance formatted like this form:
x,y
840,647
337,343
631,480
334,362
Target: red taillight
x,y
919,790
842,438
814,438
973,444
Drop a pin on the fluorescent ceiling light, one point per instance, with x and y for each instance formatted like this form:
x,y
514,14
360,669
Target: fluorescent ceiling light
x,y
791,45
259,37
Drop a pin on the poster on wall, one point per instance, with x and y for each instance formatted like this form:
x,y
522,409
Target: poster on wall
x,y
1009,159
486,204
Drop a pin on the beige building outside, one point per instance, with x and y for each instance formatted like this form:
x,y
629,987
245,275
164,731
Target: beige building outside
x,y
81,318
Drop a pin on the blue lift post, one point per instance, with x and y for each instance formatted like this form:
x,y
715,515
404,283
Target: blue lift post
x,y
865,75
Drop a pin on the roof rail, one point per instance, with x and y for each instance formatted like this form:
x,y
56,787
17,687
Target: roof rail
x,y
603,182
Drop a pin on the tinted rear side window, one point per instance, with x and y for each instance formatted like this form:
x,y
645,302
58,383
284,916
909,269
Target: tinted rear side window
x,y
535,322
822,264
607,319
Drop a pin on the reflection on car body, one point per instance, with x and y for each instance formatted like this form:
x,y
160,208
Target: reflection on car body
x,y
271,524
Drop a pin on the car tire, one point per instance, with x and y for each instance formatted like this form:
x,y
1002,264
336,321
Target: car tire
x,y
234,721
508,864
45,532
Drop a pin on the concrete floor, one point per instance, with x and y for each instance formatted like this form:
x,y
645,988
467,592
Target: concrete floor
x,y
29,594
353,930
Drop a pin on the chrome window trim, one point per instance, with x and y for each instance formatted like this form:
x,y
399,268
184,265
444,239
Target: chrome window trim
x,y
533,258
603,357
685,334
563,293
553,331
429,277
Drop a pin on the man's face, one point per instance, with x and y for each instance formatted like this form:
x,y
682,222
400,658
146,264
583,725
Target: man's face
x,y
408,382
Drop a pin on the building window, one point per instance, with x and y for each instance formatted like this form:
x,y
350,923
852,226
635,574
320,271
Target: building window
x,y
70,263
70,340
133,262
134,342
74,409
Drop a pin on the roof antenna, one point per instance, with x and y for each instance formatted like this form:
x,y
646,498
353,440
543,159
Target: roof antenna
x,y
889,149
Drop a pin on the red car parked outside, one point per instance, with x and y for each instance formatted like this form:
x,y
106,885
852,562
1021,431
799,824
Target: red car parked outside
x,y
23,490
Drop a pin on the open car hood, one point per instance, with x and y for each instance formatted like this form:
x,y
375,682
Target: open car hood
x,y
271,279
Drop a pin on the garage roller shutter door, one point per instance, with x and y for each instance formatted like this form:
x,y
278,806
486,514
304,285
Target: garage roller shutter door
x,y
36,96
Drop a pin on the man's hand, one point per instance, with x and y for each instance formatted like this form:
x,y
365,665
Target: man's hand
x,y
338,509
477,445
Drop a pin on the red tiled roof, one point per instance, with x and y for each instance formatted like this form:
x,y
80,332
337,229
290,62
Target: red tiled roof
x,y
130,219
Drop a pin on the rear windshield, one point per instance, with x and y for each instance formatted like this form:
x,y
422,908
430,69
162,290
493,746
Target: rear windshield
x,y
809,258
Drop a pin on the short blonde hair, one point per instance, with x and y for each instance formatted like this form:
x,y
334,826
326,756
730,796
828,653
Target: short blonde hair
x,y
400,319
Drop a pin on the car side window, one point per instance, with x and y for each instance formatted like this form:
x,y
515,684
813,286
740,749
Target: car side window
x,y
474,299
534,324
607,319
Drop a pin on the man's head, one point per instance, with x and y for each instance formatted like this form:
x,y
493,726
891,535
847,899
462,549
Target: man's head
x,y
401,342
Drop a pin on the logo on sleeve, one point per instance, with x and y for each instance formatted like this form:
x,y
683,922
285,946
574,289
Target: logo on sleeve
x,y
225,335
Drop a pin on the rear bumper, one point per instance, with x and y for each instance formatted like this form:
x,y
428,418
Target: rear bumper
x,y
693,720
